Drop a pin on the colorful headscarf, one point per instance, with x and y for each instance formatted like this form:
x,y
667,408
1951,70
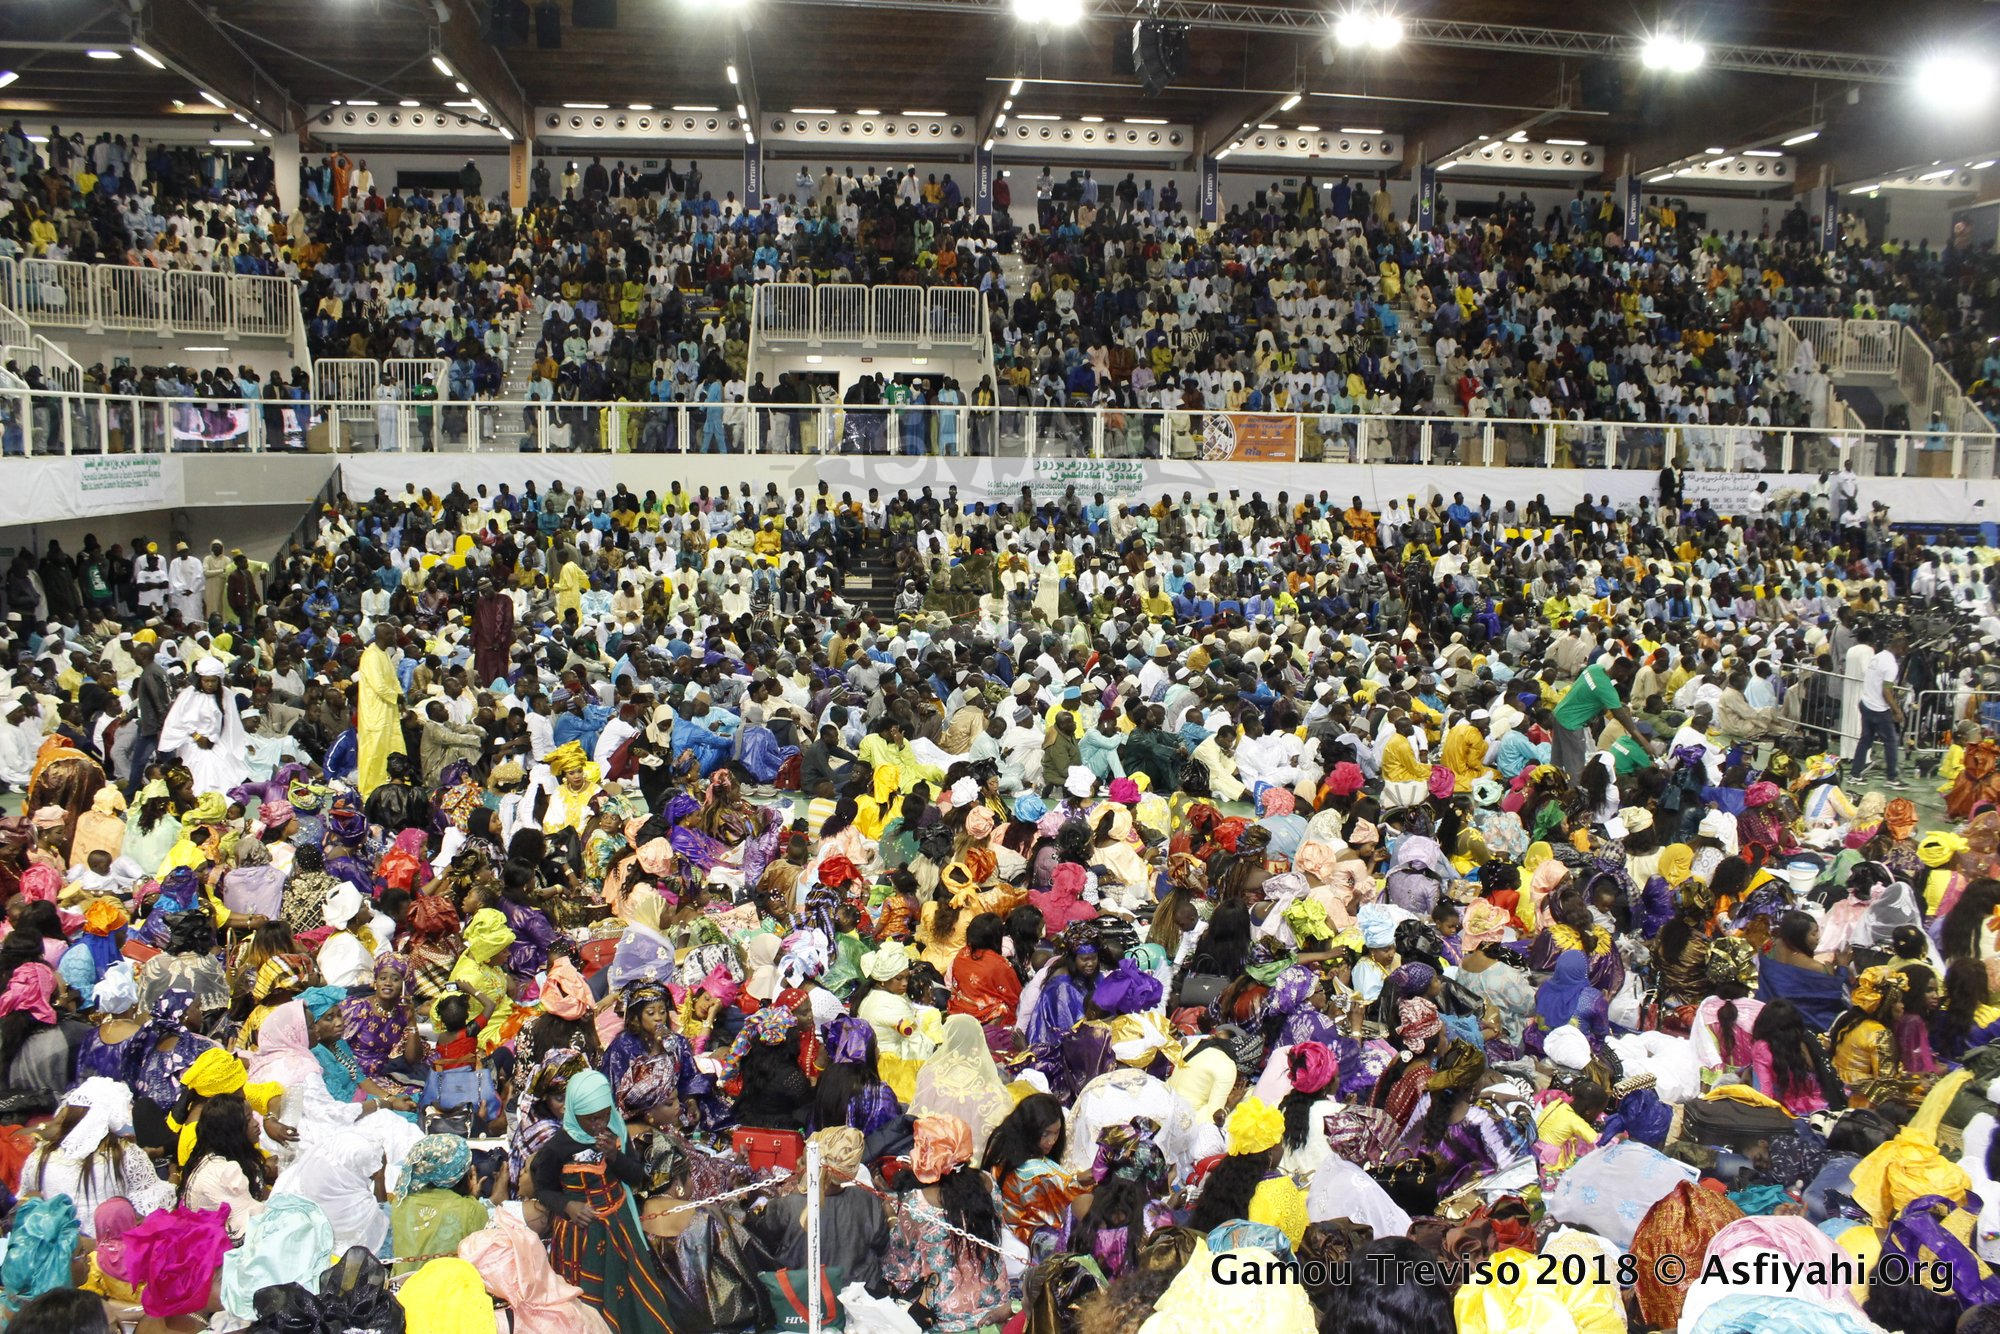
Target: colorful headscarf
x,y
1311,1066
565,994
1417,1020
1131,1150
1731,959
589,1093
435,1162
766,1028
1873,987
446,1296
941,1143
29,990
487,934
40,1246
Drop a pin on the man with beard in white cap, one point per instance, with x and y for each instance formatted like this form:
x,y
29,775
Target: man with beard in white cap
x,y
204,730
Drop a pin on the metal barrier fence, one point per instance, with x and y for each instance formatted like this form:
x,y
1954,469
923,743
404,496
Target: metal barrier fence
x,y
72,295
349,395
852,313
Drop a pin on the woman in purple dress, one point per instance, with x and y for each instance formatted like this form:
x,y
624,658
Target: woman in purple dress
x,y
379,1025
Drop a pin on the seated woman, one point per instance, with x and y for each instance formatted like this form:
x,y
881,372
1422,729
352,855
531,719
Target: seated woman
x,y
965,1285
1787,1062
35,1048
440,1201
1866,1054
88,1154
1789,971
1024,1156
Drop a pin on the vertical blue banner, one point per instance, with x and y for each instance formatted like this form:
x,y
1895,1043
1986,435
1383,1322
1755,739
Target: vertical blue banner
x,y
1632,209
982,181
1211,190
753,176
1829,220
1427,189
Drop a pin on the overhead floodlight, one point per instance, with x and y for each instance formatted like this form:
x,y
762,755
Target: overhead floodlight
x,y
730,70
1762,152
1805,137
1054,13
1955,82
148,57
1937,175
1671,53
1375,30
1982,165
104,53
213,100
1015,91
442,67
8,76
1290,102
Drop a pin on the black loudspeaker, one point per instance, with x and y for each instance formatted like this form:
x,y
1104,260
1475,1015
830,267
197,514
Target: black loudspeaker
x,y
1159,53
1601,86
508,23
593,14
548,25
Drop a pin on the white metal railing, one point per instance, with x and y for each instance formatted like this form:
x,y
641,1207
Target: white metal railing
x,y
198,302
954,316
410,374
784,310
1869,347
362,418
127,297
14,330
841,313
1916,377
854,313
898,314
9,277
262,305
1822,336
55,291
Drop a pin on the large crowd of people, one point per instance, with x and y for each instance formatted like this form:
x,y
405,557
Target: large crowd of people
x,y
1319,297
1448,914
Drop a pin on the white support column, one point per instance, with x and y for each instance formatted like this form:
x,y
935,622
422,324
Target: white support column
x,y
813,1272
285,159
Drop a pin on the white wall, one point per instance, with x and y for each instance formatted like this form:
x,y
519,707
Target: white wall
x,y
259,530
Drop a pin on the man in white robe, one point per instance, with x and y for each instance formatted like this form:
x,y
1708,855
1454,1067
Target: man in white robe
x,y
187,586
204,730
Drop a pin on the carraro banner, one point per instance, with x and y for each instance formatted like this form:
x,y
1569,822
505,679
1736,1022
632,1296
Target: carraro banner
x,y
1248,437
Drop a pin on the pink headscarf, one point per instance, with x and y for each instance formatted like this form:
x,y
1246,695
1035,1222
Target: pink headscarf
x,y
979,823
41,882
114,1218
275,814
1442,783
1346,779
720,985
1276,801
1124,791
1314,861
29,989
656,856
566,995
1793,1239
284,1048
515,1267
1312,1066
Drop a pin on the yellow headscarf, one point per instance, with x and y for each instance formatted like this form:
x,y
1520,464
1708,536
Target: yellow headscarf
x,y
211,809
216,1073
1495,1308
1875,985
1909,1166
563,758
1254,1126
447,1296
1940,846
1676,863
487,934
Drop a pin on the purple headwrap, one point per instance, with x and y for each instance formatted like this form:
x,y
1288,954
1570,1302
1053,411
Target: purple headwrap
x,y
847,1039
1414,979
680,808
347,825
1127,989
1289,992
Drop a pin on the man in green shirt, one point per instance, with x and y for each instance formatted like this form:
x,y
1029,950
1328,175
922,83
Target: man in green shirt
x,y
1598,690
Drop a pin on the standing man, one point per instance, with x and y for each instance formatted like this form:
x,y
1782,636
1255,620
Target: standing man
x,y
149,580
378,705
214,573
1597,692
150,704
492,633
1881,714
187,583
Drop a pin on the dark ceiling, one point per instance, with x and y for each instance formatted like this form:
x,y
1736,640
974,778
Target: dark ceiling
x,y
810,53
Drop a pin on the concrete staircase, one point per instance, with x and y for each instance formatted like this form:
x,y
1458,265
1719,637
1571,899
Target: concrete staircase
x,y
507,431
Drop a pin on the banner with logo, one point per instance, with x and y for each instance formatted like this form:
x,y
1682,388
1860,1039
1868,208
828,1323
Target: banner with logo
x,y
1211,189
1633,213
753,172
982,181
1427,189
42,490
1829,220
1248,437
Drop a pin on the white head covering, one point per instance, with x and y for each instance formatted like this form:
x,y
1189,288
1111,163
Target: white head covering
x,y
107,1108
886,962
343,903
338,1176
1567,1047
964,792
1079,781
118,990
209,666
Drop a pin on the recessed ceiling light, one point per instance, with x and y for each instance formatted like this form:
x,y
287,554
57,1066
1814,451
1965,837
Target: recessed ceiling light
x,y
8,76
409,102
1025,115
1015,91
935,115
213,100
1365,129
1982,166
1266,126
1290,102
814,111
1762,152
231,143
362,102
868,111
1308,129
692,106
1568,143
148,57
1937,175
1518,137
586,106
1144,120
442,67
1715,152
104,53
1804,138
640,106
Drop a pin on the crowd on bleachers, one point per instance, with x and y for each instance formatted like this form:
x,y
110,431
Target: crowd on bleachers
x,y
1319,298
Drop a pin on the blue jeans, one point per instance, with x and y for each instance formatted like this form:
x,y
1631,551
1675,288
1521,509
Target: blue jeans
x,y
1876,724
